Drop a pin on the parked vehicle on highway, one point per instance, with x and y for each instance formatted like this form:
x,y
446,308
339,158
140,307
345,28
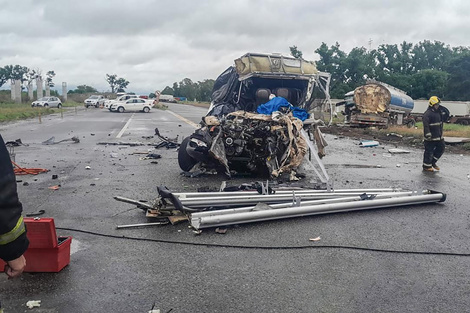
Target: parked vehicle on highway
x,y
51,102
122,98
167,98
134,104
95,101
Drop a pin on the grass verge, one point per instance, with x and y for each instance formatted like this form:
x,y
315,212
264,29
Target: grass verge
x,y
450,130
13,111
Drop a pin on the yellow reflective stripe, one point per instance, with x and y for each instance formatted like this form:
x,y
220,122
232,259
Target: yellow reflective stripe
x,y
11,236
435,124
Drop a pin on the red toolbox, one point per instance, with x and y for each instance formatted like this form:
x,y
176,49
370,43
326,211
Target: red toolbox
x,y
46,252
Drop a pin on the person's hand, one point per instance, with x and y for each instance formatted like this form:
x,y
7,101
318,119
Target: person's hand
x,y
427,136
15,267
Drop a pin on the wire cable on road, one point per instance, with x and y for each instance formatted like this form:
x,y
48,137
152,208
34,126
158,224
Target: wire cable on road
x,y
267,247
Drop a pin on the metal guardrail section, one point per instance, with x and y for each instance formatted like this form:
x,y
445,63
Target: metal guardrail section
x,y
199,222
215,209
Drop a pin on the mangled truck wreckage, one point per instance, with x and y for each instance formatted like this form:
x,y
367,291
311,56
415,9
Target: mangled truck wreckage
x,y
260,118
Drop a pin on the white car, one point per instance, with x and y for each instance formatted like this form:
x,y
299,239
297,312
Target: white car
x,y
135,104
51,102
123,98
95,101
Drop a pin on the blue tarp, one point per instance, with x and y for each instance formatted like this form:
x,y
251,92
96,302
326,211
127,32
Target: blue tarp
x,y
276,103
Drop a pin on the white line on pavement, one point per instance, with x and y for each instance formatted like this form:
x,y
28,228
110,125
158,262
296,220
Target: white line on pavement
x,y
125,126
184,119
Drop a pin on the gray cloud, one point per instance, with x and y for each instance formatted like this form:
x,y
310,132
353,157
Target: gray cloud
x,y
153,43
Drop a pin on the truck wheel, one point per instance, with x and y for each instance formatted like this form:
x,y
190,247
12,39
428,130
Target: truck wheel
x,y
185,161
464,122
411,124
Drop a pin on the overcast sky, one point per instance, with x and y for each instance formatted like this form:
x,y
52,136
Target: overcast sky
x,y
153,43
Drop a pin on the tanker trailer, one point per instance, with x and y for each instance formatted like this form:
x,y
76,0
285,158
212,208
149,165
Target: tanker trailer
x,y
377,104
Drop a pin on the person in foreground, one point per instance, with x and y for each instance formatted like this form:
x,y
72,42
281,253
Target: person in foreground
x,y
13,240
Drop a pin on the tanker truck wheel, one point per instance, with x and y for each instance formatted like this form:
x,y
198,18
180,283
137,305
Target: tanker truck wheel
x,y
411,124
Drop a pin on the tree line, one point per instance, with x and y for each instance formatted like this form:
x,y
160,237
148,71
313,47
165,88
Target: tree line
x,y
24,74
200,91
421,70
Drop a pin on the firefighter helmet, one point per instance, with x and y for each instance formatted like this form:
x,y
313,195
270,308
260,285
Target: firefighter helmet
x,y
434,100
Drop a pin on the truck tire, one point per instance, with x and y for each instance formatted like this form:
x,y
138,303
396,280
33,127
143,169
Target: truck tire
x,y
411,124
464,122
185,161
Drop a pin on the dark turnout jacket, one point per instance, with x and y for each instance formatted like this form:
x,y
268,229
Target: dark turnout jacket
x,y
13,241
433,123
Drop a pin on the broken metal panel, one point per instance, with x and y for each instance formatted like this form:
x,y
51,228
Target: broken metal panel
x,y
273,63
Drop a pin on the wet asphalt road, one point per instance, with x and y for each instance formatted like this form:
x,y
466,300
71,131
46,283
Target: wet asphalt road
x,y
118,275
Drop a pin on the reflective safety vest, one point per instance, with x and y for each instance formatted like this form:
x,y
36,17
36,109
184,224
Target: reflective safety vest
x,y
13,234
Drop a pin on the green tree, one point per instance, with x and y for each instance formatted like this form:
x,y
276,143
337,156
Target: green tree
x,y
187,89
431,55
332,61
16,72
429,82
3,76
295,52
359,65
83,89
204,90
49,76
111,79
121,84
168,91
458,85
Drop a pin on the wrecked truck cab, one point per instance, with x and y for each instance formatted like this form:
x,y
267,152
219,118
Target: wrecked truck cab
x,y
256,117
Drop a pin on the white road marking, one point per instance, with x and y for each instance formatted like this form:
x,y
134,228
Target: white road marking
x,y
184,119
125,126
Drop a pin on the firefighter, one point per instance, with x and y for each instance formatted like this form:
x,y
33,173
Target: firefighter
x,y
13,240
433,121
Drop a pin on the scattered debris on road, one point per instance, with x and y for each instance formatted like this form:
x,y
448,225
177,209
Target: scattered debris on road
x,y
27,171
15,143
398,151
368,143
315,239
38,213
51,141
169,143
31,304
151,156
